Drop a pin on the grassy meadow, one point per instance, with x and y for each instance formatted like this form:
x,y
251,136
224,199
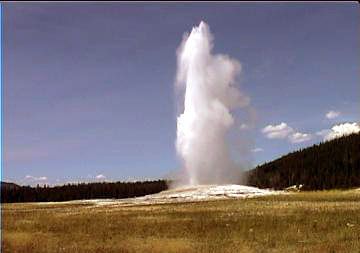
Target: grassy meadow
x,y
326,221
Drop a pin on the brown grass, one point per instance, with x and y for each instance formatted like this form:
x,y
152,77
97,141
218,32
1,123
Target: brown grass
x,y
301,222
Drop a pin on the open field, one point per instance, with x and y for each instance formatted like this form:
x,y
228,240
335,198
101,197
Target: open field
x,y
299,222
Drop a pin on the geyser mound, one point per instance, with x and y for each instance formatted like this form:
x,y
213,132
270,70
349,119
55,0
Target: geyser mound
x,y
207,80
189,194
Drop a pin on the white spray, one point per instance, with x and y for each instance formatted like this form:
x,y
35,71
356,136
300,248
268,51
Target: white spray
x,y
210,95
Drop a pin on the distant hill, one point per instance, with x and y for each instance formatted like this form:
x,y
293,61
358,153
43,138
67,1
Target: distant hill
x,y
11,192
9,186
333,164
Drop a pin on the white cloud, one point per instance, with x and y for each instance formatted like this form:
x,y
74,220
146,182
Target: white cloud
x,y
244,127
100,177
280,131
332,114
323,132
32,178
283,131
339,131
255,150
299,137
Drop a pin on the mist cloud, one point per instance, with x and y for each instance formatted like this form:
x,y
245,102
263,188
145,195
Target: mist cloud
x,y
210,95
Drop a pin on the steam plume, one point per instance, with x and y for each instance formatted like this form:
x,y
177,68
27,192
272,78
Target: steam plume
x,y
210,95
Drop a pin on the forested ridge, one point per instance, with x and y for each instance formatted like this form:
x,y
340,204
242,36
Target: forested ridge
x,y
14,193
333,164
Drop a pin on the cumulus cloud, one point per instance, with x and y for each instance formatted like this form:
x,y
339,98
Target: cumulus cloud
x,y
332,114
100,177
244,126
283,131
339,130
280,131
299,137
255,150
323,132
35,179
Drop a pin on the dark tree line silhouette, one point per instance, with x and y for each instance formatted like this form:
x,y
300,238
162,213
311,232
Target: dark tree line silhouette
x,y
333,164
15,193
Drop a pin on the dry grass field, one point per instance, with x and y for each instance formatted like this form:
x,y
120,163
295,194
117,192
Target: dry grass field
x,y
299,222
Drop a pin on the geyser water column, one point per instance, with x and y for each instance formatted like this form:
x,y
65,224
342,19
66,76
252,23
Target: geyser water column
x,y
210,95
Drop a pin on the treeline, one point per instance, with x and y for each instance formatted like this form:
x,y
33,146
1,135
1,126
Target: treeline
x,y
67,192
333,164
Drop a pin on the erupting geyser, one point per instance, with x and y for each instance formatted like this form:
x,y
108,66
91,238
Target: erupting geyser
x,y
210,95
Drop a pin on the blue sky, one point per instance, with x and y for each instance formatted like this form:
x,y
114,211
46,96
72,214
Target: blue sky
x,y
88,87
